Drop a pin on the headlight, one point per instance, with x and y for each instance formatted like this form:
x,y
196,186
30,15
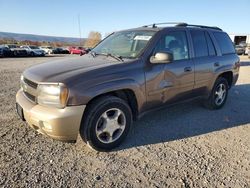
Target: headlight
x,y
54,95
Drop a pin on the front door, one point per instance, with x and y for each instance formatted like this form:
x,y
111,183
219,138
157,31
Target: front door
x,y
173,81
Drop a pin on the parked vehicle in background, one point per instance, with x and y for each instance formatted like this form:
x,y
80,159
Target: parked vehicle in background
x,y
127,75
16,51
240,50
5,51
247,49
240,39
244,45
1,52
77,50
33,50
47,49
60,51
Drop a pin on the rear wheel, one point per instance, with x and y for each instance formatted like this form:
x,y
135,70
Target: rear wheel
x,y
106,123
219,93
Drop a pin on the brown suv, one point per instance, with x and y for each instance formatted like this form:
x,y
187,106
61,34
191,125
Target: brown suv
x,y
126,75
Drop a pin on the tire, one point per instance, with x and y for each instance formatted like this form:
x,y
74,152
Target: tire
x,y
105,123
217,98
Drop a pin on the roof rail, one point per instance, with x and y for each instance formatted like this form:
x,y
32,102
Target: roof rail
x,y
180,24
154,25
200,26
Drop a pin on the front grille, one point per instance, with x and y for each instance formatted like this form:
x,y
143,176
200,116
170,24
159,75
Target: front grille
x,y
30,83
29,89
29,96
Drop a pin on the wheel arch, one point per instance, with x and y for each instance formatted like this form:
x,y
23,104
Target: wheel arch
x,y
228,75
128,95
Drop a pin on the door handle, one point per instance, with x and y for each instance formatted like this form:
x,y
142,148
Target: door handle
x,y
217,64
187,69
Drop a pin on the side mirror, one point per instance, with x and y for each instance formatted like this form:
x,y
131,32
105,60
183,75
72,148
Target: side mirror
x,y
162,57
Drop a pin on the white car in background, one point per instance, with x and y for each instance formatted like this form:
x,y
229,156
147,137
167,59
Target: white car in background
x,y
47,49
34,50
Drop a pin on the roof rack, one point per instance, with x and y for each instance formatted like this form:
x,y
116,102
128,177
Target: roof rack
x,y
179,24
154,25
200,26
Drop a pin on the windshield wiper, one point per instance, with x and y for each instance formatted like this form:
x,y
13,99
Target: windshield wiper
x,y
93,53
117,57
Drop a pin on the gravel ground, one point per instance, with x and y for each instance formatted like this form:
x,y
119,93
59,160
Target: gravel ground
x,y
181,146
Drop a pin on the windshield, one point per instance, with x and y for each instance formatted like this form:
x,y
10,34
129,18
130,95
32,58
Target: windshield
x,y
127,44
12,46
34,47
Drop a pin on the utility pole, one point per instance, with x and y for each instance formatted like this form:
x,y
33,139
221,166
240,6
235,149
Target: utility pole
x,y
79,24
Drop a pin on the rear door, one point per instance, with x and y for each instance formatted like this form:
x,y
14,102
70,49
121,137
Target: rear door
x,y
205,59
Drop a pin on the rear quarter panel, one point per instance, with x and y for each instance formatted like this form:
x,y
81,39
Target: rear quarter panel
x,y
228,63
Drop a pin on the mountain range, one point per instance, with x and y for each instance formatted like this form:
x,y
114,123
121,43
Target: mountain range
x,y
39,38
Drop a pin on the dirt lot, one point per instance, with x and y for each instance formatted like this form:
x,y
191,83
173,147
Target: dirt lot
x,y
182,146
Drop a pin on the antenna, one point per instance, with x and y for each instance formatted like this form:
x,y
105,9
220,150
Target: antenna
x,y
79,25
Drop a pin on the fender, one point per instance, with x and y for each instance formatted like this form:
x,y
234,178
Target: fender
x,y
83,96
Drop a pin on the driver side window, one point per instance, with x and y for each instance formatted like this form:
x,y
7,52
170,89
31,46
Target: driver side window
x,y
174,42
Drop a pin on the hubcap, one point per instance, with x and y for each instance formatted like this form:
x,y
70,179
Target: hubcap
x,y
110,125
220,94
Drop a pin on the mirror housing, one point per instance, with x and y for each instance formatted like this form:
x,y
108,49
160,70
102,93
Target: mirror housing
x,y
161,57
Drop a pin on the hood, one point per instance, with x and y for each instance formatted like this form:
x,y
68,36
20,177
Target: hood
x,y
60,70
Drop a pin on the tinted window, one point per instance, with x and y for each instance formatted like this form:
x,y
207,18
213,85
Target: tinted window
x,y
174,42
200,44
211,49
224,42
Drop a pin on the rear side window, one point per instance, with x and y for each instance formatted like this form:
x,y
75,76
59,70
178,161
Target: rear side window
x,y
211,49
199,43
225,43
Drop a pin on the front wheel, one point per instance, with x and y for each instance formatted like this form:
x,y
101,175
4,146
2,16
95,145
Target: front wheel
x,y
219,93
106,123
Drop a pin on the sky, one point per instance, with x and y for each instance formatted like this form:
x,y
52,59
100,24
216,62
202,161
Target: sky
x,y
60,17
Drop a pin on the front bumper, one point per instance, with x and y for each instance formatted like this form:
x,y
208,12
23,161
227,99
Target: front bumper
x,y
60,124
